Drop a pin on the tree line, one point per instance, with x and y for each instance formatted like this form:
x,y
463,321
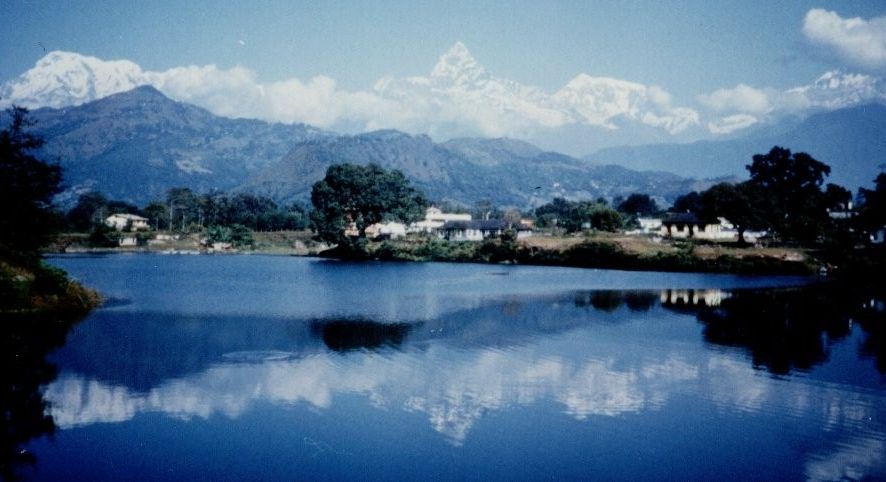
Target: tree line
x,y
785,195
184,211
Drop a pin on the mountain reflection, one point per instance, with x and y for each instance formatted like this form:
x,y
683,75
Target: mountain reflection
x,y
25,342
574,350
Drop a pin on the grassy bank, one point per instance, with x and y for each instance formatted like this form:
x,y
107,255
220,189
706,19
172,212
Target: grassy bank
x,y
42,288
601,251
294,243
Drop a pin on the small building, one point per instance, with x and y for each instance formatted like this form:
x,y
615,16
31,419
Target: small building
x,y
390,230
435,219
127,241
121,220
688,225
474,230
649,225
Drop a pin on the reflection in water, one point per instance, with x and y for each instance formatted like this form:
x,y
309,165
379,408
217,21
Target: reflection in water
x,y
347,335
630,356
25,342
788,329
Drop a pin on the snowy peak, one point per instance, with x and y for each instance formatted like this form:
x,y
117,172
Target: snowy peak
x,y
837,90
458,66
61,79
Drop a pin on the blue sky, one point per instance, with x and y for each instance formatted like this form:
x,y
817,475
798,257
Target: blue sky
x,y
688,49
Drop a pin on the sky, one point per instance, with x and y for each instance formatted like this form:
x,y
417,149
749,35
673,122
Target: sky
x,y
728,62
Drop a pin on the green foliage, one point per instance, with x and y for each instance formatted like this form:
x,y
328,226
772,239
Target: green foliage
x,y
103,236
27,186
638,205
791,201
93,208
742,204
576,216
362,195
872,212
157,214
238,235
688,203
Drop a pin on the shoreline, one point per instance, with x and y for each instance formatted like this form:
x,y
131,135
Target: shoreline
x,y
596,251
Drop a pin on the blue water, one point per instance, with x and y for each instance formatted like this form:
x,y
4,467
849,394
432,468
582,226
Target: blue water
x,y
282,368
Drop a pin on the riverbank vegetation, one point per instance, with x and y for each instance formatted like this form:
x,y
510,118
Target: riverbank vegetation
x,y
28,222
799,223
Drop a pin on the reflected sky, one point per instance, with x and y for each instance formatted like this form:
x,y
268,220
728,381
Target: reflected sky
x,y
572,381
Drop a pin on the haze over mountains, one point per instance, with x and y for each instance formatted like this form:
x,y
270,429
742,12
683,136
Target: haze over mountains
x,y
115,133
137,144
852,141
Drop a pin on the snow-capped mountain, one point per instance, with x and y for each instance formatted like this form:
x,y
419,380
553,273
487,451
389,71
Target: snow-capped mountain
x,y
62,79
457,98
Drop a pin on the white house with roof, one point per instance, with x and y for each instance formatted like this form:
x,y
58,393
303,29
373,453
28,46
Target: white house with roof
x,y
121,220
435,219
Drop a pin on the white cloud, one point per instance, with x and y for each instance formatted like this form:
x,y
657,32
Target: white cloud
x,y
732,123
458,97
743,106
741,98
858,41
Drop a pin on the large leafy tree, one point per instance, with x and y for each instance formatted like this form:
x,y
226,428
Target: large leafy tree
x,y
739,203
27,186
639,205
873,204
359,196
794,206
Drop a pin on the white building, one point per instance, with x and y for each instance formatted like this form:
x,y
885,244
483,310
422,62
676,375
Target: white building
x,y
391,230
121,221
435,219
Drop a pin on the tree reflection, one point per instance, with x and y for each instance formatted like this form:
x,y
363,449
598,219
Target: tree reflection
x,y
25,342
611,300
347,335
790,329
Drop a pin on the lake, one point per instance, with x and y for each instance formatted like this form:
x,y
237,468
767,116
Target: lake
x,y
282,368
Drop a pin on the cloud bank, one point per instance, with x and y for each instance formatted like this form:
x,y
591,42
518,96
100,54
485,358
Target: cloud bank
x,y
858,41
459,97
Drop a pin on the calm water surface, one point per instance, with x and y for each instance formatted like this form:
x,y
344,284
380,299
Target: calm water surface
x,y
253,367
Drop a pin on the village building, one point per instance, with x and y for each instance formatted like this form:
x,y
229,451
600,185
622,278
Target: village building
x,y
121,221
390,230
473,230
127,241
480,229
688,225
649,225
435,219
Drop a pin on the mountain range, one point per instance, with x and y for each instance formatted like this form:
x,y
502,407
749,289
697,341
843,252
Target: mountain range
x,y
137,144
852,141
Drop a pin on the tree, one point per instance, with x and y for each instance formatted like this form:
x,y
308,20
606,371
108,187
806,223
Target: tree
x,y
687,203
793,204
358,196
182,207
738,203
156,212
575,216
91,209
872,211
27,186
638,204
